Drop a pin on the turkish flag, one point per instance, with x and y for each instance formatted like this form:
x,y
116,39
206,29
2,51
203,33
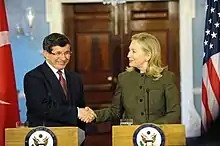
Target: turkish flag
x,y
9,113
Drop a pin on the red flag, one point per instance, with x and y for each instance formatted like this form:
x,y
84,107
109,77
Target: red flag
x,y
9,114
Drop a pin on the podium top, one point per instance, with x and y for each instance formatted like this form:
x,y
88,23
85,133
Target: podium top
x,y
174,134
67,136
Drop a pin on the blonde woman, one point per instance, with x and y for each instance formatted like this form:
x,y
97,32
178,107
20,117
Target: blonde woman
x,y
146,91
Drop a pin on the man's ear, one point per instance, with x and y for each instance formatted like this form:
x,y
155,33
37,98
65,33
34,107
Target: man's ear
x,y
44,53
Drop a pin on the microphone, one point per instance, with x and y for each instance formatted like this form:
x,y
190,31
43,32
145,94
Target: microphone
x,y
148,103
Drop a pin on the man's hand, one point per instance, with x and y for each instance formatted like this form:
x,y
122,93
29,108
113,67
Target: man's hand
x,y
86,114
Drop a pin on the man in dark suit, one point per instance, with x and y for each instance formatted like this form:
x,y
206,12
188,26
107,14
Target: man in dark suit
x,y
54,96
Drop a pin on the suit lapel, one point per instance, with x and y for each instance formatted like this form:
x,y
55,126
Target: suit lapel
x,y
69,86
68,79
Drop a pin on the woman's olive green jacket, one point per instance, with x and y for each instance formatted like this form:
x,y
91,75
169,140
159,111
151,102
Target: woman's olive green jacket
x,y
144,99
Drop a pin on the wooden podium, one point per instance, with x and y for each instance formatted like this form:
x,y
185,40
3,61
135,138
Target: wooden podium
x,y
174,134
66,136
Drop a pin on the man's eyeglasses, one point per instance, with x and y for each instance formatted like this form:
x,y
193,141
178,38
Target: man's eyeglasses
x,y
60,54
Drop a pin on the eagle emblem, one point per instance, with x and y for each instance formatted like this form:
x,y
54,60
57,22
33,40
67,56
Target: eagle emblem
x,y
148,135
40,136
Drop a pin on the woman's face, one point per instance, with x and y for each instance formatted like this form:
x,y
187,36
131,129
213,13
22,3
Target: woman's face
x,y
137,57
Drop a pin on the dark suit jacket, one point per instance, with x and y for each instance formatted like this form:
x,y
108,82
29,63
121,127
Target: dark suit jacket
x,y
45,98
143,99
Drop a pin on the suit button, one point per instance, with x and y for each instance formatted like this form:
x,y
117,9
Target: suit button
x,y
140,87
142,113
142,75
141,100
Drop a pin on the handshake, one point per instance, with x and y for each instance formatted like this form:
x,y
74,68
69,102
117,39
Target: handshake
x,y
86,114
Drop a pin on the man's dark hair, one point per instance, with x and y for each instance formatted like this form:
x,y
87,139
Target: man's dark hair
x,y
54,39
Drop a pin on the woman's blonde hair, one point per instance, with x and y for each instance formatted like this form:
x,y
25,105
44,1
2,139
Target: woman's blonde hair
x,y
150,44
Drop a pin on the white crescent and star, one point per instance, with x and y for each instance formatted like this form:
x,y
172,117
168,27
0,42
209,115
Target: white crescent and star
x,y
4,39
3,102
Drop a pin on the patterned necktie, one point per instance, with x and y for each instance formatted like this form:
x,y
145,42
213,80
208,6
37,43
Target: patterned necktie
x,y
62,81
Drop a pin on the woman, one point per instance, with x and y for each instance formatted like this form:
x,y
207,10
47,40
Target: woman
x,y
146,91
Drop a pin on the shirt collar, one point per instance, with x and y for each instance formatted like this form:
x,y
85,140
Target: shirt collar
x,y
53,68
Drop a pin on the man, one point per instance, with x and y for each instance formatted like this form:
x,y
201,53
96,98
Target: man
x,y
54,96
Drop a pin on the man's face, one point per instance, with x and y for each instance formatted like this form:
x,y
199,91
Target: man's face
x,y
59,57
